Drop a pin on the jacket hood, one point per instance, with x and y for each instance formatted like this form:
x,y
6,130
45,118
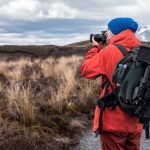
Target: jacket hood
x,y
126,38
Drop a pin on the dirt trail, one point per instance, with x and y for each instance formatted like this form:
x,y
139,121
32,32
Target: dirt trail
x,y
89,142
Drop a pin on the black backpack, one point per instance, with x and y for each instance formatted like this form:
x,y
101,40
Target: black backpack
x,y
132,76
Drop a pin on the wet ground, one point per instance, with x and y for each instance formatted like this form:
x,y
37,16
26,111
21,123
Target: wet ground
x,y
89,142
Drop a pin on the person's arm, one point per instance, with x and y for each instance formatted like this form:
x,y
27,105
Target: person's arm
x,y
96,48
94,63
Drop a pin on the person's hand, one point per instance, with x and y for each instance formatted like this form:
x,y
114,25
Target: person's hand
x,y
94,43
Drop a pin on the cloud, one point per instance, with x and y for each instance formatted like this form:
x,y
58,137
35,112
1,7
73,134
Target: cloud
x,y
31,10
36,9
47,21
53,26
20,10
49,31
41,39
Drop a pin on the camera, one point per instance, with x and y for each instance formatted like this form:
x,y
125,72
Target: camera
x,y
100,38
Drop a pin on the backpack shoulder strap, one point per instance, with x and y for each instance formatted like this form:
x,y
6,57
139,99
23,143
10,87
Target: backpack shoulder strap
x,y
122,49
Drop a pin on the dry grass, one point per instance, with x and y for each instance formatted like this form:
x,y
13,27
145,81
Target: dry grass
x,y
20,102
76,124
27,80
66,73
45,93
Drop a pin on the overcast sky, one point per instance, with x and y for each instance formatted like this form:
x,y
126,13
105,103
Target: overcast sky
x,y
60,22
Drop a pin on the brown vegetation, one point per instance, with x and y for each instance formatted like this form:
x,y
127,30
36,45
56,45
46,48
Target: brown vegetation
x,y
41,100
43,51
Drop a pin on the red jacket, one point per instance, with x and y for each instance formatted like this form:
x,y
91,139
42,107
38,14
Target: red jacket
x,y
102,61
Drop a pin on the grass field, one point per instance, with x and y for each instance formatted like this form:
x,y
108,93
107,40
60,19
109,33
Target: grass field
x,y
41,99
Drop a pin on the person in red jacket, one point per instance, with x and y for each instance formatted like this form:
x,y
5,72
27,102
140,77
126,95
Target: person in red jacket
x,y
120,130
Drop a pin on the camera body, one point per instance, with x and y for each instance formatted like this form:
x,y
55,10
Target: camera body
x,y
100,38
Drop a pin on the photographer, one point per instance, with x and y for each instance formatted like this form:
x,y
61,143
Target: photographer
x,y
120,131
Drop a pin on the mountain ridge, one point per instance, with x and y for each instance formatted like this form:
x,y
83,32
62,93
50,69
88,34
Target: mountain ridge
x,y
33,51
143,33
44,51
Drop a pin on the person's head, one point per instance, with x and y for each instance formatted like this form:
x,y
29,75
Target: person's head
x,y
109,34
117,25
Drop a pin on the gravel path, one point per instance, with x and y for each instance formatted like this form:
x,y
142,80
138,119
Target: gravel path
x,y
89,142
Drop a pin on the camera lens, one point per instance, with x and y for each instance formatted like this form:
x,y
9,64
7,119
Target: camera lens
x,y
98,37
91,35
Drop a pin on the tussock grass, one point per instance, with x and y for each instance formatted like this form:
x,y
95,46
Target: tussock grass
x,y
76,124
28,80
44,96
20,104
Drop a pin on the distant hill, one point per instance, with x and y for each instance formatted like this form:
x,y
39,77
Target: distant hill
x,y
33,51
146,44
79,48
143,33
79,44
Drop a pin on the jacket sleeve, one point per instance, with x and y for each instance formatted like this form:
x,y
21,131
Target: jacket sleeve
x,y
94,63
